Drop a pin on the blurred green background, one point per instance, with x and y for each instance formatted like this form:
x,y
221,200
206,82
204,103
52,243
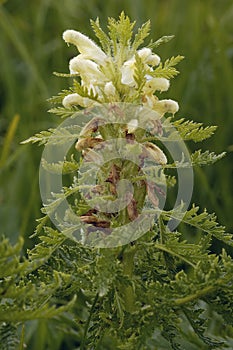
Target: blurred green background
x,y
31,48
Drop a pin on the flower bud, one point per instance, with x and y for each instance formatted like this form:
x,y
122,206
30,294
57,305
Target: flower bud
x,y
75,99
155,84
109,89
156,153
153,60
166,106
88,70
144,53
148,57
87,142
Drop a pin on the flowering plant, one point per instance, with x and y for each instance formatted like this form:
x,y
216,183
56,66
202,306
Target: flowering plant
x,y
113,247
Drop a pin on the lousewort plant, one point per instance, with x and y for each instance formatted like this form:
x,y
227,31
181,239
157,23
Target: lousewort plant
x,y
124,261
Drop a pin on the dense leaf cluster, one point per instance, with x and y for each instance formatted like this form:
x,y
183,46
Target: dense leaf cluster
x,y
166,290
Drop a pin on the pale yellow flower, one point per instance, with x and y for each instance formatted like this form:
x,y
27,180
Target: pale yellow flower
x,y
166,106
85,46
75,99
87,69
91,65
132,125
127,73
156,153
160,106
109,89
155,84
128,68
148,56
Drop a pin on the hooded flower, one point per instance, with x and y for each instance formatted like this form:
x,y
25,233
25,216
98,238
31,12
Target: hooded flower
x,y
113,76
85,46
75,99
89,71
128,68
155,153
155,84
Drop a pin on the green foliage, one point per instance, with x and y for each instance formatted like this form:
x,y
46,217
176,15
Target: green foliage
x,y
141,35
164,39
101,35
120,32
177,284
190,130
9,337
140,72
167,70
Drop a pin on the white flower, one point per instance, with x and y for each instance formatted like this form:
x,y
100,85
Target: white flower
x,y
155,84
166,106
132,125
153,60
87,69
75,99
98,71
148,56
127,70
127,73
85,46
109,89
160,106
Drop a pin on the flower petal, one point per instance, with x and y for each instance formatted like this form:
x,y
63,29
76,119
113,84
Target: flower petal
x,y
85,45
166,106
127,73
109,89
88,70
156,153
153,60
155,84
132,125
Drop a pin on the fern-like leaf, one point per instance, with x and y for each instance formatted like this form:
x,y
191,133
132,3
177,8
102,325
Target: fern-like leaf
x,y
101,35
139,73
198,158
140,36
62,167
204,221
167,70
164,39
204,158
190,130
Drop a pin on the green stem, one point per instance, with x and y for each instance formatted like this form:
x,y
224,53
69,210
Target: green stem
x,y
197,295
82,347
202,292
128,267
166,250
161,229
169,262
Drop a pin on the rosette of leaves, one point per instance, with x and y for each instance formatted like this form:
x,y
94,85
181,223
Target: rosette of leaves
x,y
164,290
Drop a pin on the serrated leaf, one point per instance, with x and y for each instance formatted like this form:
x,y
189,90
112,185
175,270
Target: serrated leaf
x,y
190,130
101,35
141,34
167,70
203,221
204,158
164,39
61,167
